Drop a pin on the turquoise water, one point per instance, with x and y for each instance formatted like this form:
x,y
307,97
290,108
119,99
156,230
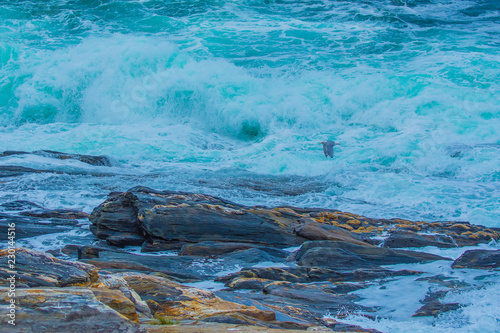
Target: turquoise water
x,y
232,98
247,89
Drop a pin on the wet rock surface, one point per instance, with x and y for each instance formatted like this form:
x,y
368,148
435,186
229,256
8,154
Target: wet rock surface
x,y
411,239
168,217
168,298
312,274
342,255
435,308
478,259
33,220
277,269
31,227
213,248
35,269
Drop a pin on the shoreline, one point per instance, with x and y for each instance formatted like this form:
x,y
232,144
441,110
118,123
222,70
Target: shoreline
x,y
282,268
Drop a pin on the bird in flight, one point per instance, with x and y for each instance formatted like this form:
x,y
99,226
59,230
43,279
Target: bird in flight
x,y
328,147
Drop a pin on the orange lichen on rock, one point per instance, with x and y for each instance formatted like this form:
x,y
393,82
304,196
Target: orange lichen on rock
x,y
408,226
401,222
346,226
469,234
353,222
328,215
287,210
116,300
459,226
171,299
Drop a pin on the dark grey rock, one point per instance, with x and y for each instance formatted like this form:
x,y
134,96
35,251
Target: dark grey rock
x,y
39,269
435,308
478,259
254,256
117,213
27,227
341,255
412,239
89,159
312,274
206,249
125,239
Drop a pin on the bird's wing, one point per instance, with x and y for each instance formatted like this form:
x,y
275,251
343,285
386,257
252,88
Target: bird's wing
x,y
329,148
325,150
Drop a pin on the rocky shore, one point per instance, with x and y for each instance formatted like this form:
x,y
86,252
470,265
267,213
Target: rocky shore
x,y
279,269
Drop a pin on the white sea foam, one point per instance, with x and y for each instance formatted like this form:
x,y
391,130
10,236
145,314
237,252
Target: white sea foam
x,y
56,241
399,298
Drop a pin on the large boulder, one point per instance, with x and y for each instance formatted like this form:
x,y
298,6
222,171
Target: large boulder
x,y
168,220
186,218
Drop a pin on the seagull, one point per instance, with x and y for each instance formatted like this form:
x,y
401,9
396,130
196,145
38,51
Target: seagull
x,y
328,147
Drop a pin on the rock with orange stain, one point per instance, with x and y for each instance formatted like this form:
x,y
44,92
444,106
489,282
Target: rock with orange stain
x,y
72,309
171,299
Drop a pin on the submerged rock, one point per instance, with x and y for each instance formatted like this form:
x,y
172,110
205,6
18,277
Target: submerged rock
x,y
68,214
311,295
435,308
88,159
33,220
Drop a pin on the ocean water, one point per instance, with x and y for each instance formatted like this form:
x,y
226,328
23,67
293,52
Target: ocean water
x,y
231,98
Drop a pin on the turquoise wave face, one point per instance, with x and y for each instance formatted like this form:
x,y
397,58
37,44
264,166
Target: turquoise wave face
x,y
224,89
